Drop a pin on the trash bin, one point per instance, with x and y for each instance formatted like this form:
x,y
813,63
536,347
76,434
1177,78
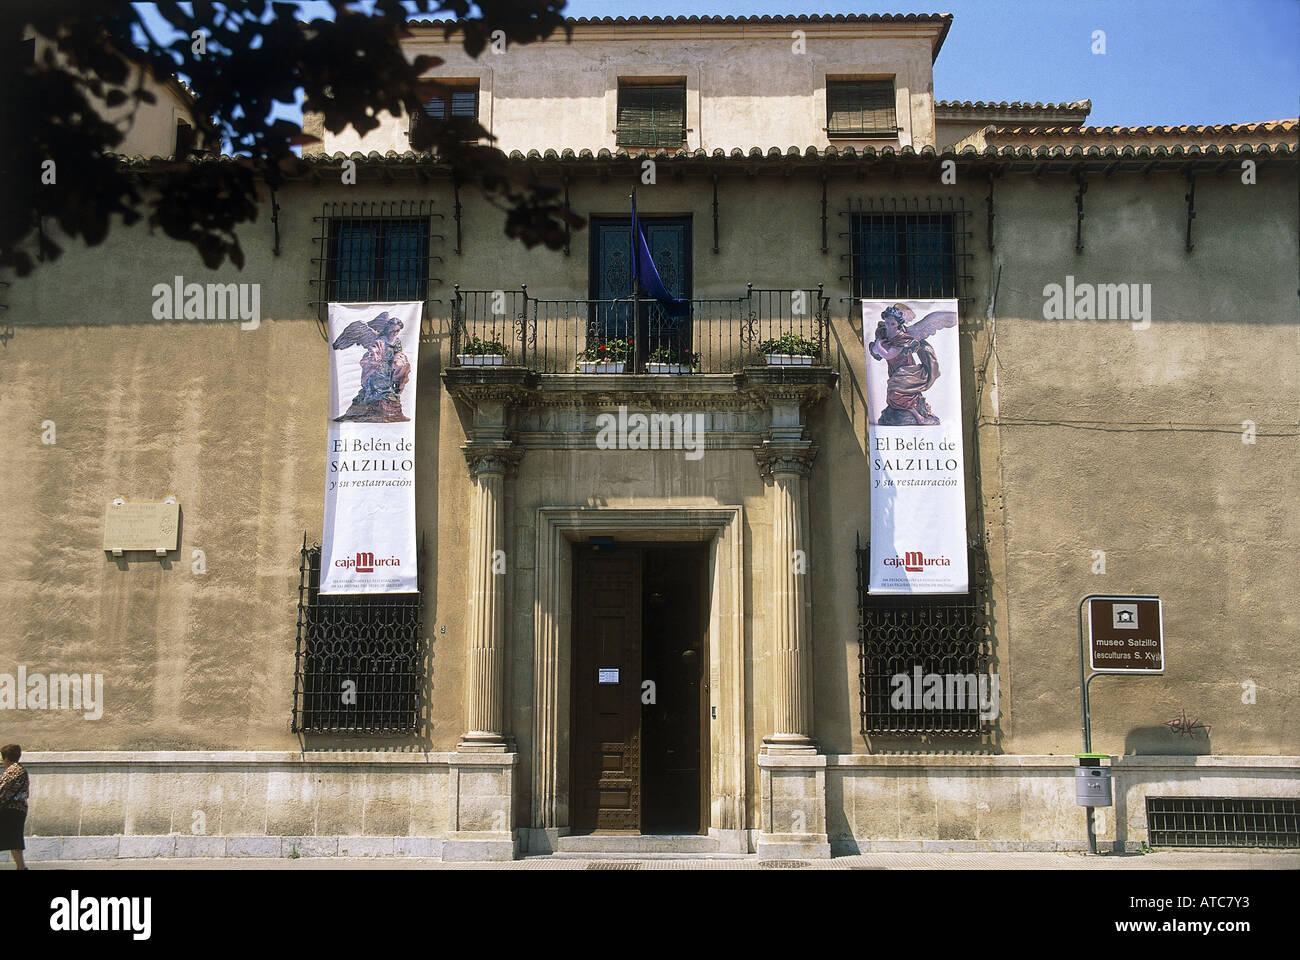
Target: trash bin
x,y
1092,783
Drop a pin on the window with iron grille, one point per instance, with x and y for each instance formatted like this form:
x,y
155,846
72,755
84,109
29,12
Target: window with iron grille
x,y
1271,822
898,636
907,249
375,252
360,661
651,114
378,259
860,108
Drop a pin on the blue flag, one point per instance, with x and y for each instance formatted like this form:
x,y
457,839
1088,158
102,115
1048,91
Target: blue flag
x,y
644,274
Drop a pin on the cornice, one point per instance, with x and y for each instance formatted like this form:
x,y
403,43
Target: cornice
x,y
803,385
476,385
753,388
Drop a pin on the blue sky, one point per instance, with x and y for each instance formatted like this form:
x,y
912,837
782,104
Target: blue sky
x,y
1166,61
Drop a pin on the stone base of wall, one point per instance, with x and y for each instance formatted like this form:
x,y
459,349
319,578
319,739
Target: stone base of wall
x,y
147,847
91,805
893,803
94,805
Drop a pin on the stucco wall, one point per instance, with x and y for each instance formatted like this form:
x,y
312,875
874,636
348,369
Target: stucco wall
x,y
745,87
1095,437
1130,442
948,132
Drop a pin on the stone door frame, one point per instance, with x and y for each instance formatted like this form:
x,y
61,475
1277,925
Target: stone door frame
x,y
558,529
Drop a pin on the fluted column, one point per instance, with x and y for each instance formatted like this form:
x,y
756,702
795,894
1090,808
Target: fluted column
x,y
787,463
791,773
489,463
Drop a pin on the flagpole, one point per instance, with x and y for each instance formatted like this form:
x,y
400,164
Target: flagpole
x,y
635,250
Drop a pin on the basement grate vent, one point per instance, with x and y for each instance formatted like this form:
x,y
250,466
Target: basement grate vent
x,y
1223,822
784,864
615,865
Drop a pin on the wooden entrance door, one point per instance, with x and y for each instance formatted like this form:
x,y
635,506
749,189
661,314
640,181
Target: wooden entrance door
x,y
674,736
605,691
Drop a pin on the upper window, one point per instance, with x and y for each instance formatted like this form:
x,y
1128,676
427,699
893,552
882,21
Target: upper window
x,y
449,101
651,114
860,108
184,138
452,100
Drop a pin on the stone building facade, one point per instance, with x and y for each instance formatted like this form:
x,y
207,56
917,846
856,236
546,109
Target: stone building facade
x,y
1150,453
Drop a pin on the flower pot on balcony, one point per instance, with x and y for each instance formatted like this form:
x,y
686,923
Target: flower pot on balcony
x,y
674,368
788,360
592,366
481,359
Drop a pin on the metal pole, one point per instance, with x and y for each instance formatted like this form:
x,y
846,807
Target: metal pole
x,y
1083,684
1087,721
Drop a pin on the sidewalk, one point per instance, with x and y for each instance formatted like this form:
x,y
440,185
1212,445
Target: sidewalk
x,y
1163,860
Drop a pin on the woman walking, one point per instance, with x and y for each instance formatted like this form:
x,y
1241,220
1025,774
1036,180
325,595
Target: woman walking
x,y
13,803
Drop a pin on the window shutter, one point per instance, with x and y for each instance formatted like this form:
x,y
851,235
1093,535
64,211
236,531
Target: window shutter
x,y
670,111
464,103
860,108
652,115
635,113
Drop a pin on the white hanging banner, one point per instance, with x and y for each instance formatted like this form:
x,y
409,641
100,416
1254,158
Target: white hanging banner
x,y
369,541
914,439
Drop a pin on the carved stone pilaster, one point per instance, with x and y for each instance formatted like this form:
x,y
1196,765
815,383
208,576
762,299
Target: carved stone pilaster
x,y
792,773
788,464
490,461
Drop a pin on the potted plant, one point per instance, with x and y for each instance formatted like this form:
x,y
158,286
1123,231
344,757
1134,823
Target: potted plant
x,y
604,356
672,360
789,350
479,352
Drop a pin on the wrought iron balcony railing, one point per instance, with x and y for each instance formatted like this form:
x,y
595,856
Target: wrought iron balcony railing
x,y
641,335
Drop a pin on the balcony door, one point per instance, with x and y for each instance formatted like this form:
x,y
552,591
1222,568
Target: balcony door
x,y
647,326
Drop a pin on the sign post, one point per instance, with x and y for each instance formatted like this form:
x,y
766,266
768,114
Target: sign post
x,y
1126,634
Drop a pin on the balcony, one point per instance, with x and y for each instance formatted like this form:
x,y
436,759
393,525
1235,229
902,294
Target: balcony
x,y
638,337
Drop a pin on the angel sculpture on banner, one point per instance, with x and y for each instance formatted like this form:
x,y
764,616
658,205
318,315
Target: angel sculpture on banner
x,y
384,370
913,365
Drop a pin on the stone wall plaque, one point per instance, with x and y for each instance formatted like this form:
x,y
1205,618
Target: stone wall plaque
x,y
142,526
